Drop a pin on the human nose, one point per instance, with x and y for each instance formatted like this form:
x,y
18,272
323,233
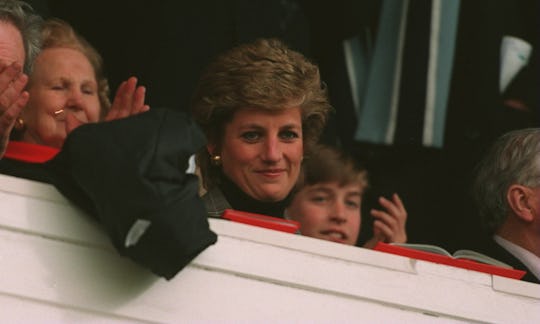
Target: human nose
x,y
272,150
75,101
337,213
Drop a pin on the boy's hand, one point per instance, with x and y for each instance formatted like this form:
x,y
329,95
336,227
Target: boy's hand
x,y
389,224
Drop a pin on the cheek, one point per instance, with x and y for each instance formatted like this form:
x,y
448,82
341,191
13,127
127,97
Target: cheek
x,y
35,114
354,221
236,159
295,154
236,153
308,214
313,221
93,111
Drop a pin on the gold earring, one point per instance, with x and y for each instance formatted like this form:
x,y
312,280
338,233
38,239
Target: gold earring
x,y
19,124
216,160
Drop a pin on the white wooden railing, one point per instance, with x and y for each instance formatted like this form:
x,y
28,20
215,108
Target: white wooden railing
x,y
56,265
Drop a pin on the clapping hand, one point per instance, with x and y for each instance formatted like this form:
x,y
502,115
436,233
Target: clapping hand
x,y
389,224
129,100
12,99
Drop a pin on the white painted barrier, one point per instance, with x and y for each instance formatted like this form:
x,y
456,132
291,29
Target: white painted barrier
x,y
58,266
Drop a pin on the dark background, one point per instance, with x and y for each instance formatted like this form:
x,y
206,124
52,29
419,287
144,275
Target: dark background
x,y
167,43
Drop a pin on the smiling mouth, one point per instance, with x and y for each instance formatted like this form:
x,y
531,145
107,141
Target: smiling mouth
x,y
271,172
335,236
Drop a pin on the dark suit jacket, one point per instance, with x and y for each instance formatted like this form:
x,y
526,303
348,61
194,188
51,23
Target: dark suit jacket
x,y
494,250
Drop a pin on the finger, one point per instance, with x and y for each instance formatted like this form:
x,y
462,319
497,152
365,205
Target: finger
x,y
126,98
7,119
388,205
8,75
115,106
394,225
3,66
138,100
397,201
385,233
386,218
377,234
12,92
15,109
402,215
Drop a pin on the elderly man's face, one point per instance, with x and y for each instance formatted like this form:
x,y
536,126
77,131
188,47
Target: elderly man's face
x,y
11,44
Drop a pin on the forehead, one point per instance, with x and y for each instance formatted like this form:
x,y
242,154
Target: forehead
x,y
11,44
62,60
335,188
256,117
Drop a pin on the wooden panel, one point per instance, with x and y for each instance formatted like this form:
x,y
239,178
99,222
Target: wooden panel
x,y
58,265
23,310
96,281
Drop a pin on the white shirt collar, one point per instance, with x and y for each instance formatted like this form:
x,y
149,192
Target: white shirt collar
x,y
530,260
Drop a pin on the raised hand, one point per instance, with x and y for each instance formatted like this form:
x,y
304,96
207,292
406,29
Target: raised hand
x,y
129,100
12,100
389,224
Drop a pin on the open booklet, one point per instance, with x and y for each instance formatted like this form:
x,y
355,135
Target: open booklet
x,y
466,259
459,254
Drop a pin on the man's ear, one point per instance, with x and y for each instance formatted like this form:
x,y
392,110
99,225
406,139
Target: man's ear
x,y
517,197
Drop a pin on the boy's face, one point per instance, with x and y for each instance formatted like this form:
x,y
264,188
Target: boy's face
x,y
328,211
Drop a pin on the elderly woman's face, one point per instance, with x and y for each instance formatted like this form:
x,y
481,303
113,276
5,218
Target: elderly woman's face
x,y
261,151
63,82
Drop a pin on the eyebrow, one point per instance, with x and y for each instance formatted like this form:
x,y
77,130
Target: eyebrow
x,y
67,79
291,126
252,125
355,193
321,188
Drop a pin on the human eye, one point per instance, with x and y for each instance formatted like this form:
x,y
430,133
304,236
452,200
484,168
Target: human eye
x,y
289,135
88,90
58,86
352,203
319,198
251,136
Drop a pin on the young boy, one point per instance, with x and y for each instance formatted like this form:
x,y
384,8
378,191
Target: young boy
x,y
329,199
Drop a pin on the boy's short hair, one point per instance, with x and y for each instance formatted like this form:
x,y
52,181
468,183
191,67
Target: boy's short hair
x,y
329,164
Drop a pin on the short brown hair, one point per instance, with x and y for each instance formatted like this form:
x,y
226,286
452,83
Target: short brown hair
x,y
330,164
267,75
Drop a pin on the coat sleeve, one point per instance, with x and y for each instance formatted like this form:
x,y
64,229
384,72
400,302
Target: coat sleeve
x,y
134,176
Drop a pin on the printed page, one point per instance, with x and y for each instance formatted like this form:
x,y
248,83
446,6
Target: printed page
x,y
476,256
425,247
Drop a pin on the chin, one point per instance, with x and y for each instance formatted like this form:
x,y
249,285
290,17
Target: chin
x,y
270,194
271,197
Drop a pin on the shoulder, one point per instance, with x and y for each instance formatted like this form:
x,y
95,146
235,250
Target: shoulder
x,y
215,202
499,252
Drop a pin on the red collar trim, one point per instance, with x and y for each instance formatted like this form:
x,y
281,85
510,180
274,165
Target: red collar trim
x,y
28,152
